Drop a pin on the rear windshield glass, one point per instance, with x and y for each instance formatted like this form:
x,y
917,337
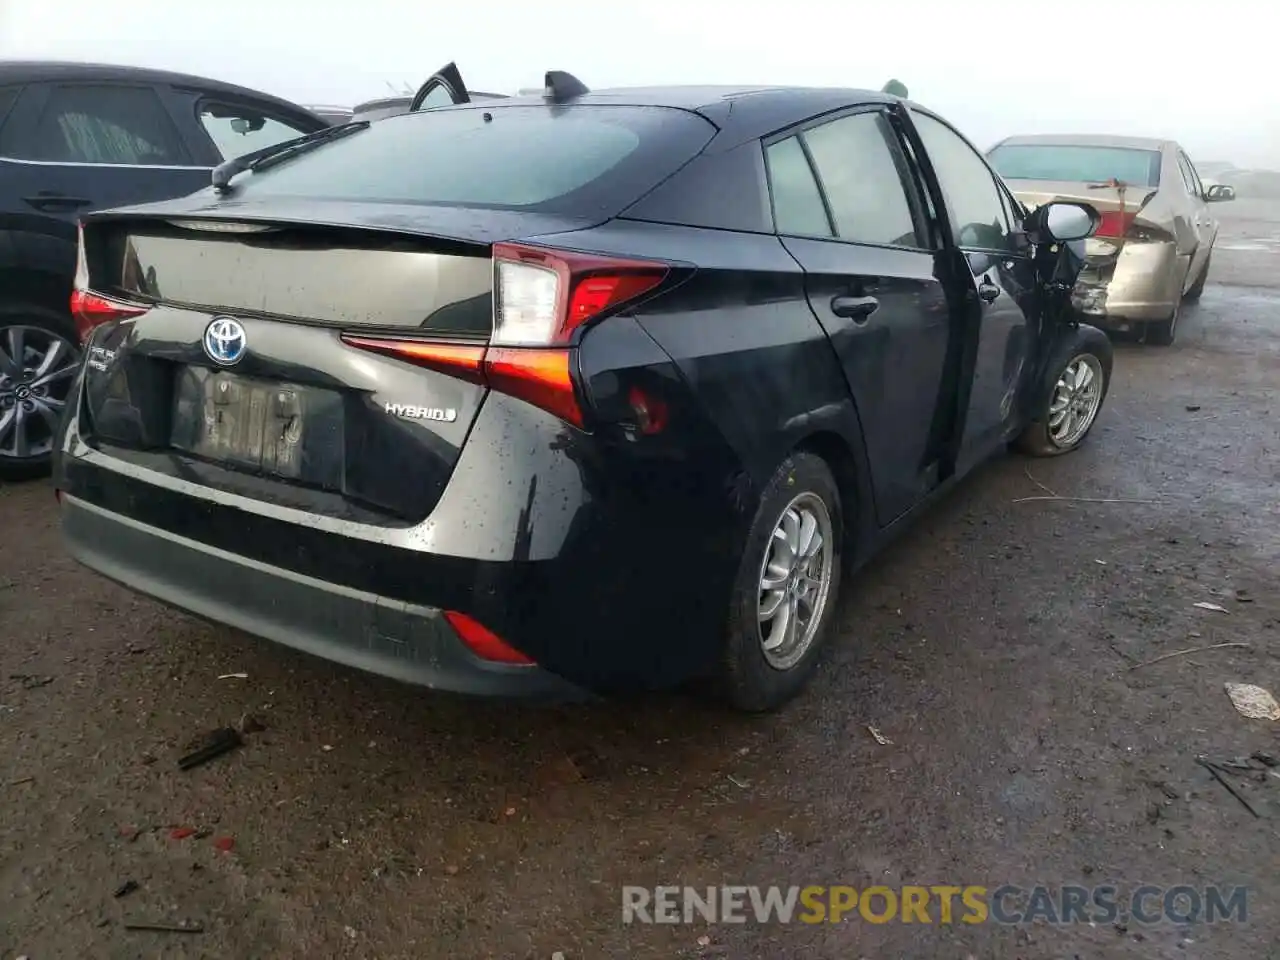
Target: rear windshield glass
x,y
1076,164
579,160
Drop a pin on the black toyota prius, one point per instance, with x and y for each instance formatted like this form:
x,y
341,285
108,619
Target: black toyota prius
x,y
568,393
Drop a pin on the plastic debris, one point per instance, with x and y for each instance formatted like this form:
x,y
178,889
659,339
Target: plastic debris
x,y
217,743
1253,702
1205,605
880,737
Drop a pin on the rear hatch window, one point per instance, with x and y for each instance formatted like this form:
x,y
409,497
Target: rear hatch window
x,y
583,161
1077,164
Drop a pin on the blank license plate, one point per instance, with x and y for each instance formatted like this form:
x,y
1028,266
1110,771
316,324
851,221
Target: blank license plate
x,y
251,424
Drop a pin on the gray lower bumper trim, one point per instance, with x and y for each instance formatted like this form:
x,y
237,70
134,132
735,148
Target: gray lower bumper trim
x,y
362,630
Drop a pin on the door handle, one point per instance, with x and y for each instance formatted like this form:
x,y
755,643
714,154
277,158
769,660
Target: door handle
x,y
988,291
56,201
857,309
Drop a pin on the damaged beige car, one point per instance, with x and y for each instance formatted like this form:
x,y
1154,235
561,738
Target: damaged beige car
x,y
1152,250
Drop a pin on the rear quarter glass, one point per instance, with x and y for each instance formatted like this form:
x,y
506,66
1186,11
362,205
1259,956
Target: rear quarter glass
x,y
588,160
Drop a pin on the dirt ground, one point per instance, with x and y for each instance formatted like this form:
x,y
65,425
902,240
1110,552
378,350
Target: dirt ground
x,y
993,646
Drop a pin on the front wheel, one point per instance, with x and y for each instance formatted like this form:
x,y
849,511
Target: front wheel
x,y
1078,377
786,590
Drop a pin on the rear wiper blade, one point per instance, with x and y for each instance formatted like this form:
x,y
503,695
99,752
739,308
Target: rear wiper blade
x,y
278,153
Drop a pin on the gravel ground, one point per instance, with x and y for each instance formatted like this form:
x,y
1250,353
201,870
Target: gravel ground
x,y
992,645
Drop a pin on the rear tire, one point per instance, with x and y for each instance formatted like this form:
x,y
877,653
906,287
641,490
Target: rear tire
x,y
1068,406
23,390
1197,288
762,665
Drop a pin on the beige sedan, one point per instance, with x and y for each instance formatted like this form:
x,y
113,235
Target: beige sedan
x,y
1152,250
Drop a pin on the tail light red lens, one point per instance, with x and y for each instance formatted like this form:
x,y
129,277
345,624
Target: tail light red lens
x,y
541,297
90,310
483,642
1114,224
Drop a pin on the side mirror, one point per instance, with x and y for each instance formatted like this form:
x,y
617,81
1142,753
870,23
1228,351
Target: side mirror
x,y
1061,222
1219,193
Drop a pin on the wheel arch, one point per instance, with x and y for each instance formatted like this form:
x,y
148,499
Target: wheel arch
x,y
843,456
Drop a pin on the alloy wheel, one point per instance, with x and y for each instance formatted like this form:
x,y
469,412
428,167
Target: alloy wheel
x,y
795,581
1077,396
36,370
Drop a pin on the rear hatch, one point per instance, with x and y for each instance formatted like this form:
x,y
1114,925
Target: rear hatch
x,y
233,356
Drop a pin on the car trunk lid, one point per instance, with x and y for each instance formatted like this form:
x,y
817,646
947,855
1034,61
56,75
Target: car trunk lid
x,y
242,369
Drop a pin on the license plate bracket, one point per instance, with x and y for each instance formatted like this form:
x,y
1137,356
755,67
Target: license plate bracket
x,y
286,430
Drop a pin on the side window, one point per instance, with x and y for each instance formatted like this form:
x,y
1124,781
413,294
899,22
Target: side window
x,y
1189,176
977,207
237,129
863,180
84,123
797,204
437,96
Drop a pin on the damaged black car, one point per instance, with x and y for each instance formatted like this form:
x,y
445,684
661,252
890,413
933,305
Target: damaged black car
x,y
584,391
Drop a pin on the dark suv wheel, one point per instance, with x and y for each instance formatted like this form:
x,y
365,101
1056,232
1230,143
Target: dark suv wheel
x,y
38,361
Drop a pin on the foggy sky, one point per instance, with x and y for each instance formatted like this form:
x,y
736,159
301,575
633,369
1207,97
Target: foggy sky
x,y
1198,73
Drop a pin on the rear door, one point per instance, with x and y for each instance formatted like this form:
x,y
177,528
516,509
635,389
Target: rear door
x,y
444,87
68,148
980,211
74,147
846,207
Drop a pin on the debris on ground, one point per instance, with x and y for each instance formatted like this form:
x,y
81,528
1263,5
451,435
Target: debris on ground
x,y
250,723
125,889
20,781
234,676
1253,702
181,833
1216,771
1242,596
31,681
225,844
1183,653
735,781
188,926
218,742
1193,408
880,737
1205,605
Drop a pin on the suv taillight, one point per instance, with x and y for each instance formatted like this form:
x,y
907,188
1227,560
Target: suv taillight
x,y
541,298
89,309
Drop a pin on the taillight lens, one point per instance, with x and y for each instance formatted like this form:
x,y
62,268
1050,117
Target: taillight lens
x,y
89,309
1114,224
541,298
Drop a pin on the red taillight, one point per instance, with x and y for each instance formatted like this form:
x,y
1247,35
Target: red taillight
x,y
1114,224
91,310
483,642
541,298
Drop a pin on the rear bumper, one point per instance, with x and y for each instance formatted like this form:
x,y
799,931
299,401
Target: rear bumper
x,y
1139,282
407,642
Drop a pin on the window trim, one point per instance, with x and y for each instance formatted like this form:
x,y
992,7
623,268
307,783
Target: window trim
x,y
996,181
1198,193
903,166
45,90
234,104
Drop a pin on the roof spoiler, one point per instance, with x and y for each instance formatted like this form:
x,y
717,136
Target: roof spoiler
x,y
560,86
